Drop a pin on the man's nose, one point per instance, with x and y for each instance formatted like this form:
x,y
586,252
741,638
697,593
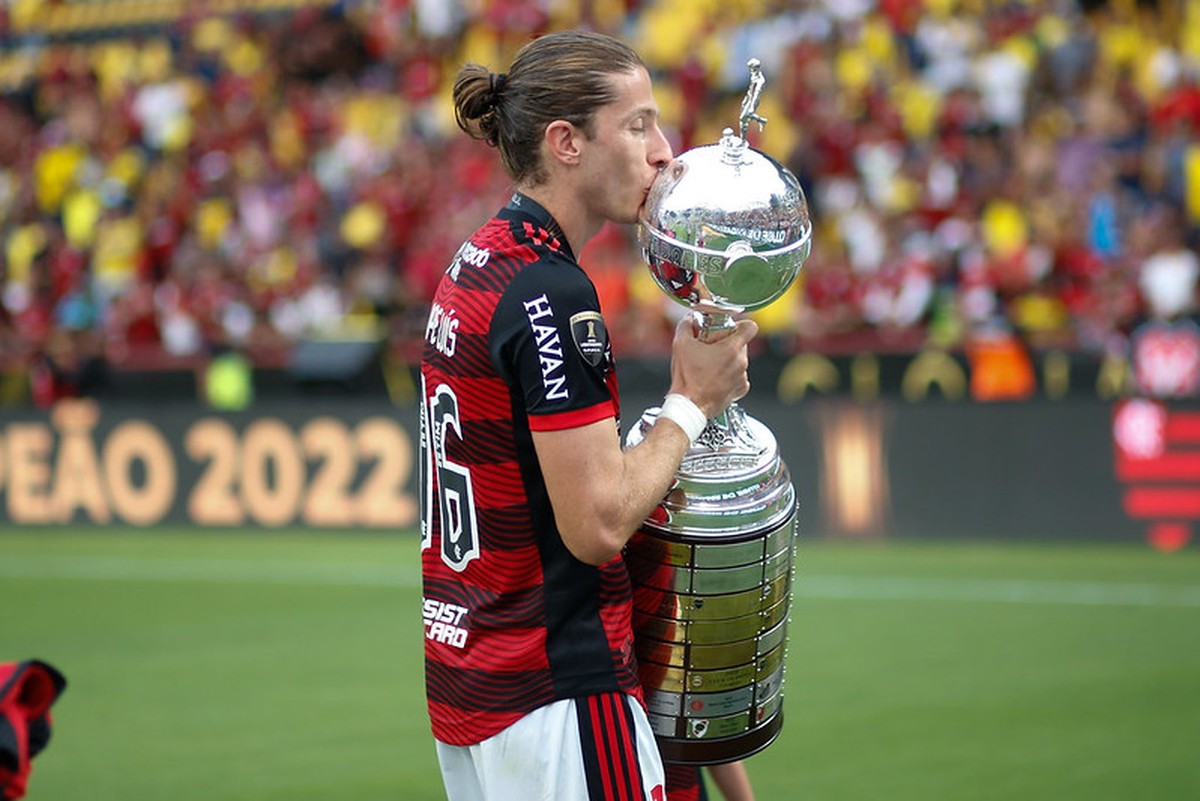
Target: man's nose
x,y
660,153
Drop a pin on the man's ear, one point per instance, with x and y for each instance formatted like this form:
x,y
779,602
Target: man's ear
x,y
562,142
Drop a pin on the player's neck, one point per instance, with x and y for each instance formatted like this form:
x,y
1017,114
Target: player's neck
x,y
567,210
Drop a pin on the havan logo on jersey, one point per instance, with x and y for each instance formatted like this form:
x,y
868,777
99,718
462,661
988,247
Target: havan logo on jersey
x,y
549,343
443,622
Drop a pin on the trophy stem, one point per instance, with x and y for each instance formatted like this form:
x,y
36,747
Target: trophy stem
x,y
729,428
728,425
714,325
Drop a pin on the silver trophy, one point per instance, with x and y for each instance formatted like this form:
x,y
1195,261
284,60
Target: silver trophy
x,y
725,230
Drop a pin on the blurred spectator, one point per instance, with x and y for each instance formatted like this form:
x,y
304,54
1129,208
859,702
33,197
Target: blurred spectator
x,y
227,381
1169,276
70,366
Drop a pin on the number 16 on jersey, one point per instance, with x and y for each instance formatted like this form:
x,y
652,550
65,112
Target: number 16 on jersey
x,y
445,484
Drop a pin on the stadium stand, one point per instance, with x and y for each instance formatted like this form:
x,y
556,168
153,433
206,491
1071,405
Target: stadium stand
x,y
989,177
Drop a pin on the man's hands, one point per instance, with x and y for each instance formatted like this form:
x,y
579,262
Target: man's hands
x,y
712,374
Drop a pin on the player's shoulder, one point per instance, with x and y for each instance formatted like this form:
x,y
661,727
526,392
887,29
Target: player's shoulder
x,y
553,280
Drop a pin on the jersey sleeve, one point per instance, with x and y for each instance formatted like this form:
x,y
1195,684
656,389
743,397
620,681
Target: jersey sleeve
x,y
550,343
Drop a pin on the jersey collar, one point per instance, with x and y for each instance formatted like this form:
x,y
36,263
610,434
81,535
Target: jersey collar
x,y
524,205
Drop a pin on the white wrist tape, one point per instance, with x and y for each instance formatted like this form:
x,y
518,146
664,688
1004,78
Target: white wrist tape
x,y
680,409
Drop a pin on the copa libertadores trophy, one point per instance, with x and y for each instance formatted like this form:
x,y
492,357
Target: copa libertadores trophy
x,y
725,230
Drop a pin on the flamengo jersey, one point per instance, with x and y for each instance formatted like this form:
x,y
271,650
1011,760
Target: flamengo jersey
x,y
514,343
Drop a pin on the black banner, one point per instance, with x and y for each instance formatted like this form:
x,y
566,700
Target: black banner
x,y
1053,470
341,466
935,374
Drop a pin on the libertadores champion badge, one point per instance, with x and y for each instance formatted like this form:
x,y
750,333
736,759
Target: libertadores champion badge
x,y
590,335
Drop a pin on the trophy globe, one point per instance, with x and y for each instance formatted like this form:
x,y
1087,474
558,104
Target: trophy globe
x,y
725,230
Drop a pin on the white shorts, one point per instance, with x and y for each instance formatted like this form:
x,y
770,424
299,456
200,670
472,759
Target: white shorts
x,y
596,748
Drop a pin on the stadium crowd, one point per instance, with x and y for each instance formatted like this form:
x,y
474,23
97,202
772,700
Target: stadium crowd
x,y
1026,169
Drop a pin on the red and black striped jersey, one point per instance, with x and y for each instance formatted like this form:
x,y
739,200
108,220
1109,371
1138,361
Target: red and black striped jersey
x,y
515,343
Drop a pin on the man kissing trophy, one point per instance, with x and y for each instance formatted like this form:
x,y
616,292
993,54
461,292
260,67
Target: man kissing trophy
x,y
725,230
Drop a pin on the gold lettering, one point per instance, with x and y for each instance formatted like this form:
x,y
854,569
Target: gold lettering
x,y
1056,375
328,502
804,372
864,376
382,500
133,441
933,368
29,473
77,480
213,501
269,443
397,377
1114,379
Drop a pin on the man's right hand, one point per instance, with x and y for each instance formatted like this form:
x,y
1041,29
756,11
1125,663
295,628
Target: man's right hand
x,y
712,374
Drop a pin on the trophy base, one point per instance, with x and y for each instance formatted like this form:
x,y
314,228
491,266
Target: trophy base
x,y
719,752
731,482
711,571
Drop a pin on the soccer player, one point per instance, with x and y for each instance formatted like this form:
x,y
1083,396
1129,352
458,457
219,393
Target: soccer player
x,y
527,495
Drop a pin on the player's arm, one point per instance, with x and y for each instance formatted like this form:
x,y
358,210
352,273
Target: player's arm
x,y
600,493
732,780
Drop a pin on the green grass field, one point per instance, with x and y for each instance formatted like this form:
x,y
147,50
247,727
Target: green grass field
x,y
268,666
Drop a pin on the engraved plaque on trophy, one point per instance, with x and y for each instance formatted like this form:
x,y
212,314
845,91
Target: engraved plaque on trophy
x,y
725,230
